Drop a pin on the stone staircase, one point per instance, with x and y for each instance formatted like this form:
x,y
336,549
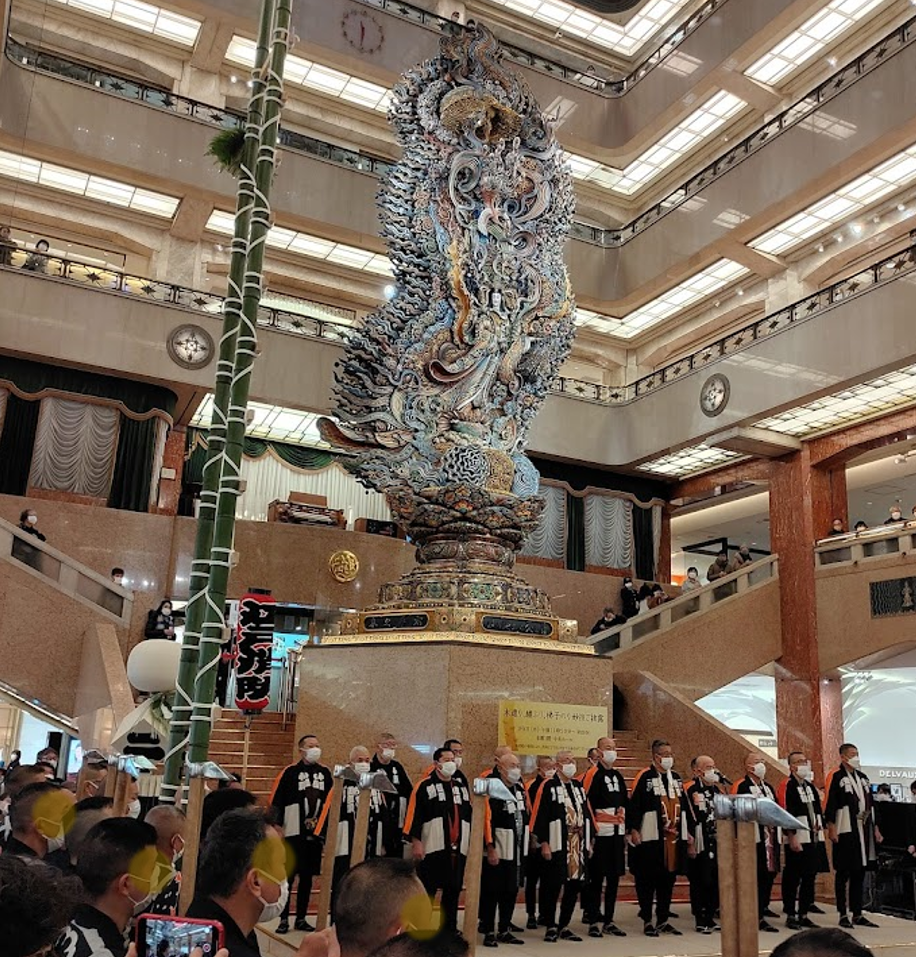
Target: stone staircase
x,y
271,748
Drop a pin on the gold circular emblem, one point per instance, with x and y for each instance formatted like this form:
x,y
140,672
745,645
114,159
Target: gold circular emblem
x,y
344,566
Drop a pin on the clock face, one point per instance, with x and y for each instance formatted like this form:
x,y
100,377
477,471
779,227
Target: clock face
x,y
362,31
190,346
714,394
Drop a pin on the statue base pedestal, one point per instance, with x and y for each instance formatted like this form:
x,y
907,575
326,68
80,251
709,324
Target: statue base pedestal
x,y
467,597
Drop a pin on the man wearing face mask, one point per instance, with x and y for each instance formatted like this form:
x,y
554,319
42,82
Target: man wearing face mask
x,y
806,852
562,821
438,825
607,797
299,795
629,602
850,820
170,824
457,749
117,866
718,568
88,813
767,837
241,879
350,796
395,805
546,771
506,842
703,861
896,515
40,816
659,837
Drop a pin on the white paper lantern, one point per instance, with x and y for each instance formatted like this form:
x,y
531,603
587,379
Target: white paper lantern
x,y
153,665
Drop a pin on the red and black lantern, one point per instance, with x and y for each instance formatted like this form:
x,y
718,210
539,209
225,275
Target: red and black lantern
x,y
254,650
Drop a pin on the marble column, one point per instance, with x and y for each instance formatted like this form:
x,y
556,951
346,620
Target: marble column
x,y
805,720
172,458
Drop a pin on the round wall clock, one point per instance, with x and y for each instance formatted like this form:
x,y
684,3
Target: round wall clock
x,y
714,394
190,346
362,31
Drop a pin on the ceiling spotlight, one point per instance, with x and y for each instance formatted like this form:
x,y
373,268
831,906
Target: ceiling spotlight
x,y
876,219
901,207
856,229
832,60
716,304
740,292
820,248
839,237
233,79
390,291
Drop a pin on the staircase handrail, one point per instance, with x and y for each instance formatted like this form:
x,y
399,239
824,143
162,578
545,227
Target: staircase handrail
x,y
651,622
65,574
852,547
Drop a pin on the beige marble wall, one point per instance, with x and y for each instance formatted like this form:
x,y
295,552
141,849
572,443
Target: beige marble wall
x,y
423,694
156,551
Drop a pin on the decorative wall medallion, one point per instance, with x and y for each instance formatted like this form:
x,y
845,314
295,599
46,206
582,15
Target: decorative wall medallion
x,y
190,346
714,394
362,31
344,566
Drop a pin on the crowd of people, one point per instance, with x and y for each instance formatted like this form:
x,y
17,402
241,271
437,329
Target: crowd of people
x,y
74,877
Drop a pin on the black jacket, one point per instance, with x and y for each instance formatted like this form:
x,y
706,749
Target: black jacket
x,y
236,942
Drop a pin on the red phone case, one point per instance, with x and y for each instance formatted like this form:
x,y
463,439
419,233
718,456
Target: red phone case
x,y
144,919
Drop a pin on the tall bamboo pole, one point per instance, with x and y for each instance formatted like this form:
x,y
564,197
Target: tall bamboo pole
x,y
232,315
214,626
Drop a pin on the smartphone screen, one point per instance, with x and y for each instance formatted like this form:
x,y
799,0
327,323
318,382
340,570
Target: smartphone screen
x,y
177,936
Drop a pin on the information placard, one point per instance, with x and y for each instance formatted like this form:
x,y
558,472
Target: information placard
x,y
544,727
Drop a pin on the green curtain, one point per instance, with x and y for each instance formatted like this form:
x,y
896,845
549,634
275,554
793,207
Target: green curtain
x,y
17,440
298,456
575,533
130,483
137,396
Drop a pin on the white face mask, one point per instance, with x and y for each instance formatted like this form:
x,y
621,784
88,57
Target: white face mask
x,y
569,770
760,769
609,756
133,809
448,768
458,761
32,520
270,912
56,843
312,755
805,772
667,764
513,775
141,905
361,767
387,753
854,762
550,773
711,776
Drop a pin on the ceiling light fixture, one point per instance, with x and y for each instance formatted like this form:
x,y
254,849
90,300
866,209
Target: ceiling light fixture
x,y
314,247
814,35
138,15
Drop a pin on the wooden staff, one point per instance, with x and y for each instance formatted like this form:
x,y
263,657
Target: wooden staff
x,y
193,810
120,791
112,776
728,887
331,826
483,790
746,867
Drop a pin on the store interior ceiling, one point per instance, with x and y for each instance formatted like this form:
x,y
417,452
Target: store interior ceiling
x,y
874,481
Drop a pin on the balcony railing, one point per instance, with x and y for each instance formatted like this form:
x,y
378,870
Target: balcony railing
x,y
882,51
586,77
897,539
695,602
293,323
39,559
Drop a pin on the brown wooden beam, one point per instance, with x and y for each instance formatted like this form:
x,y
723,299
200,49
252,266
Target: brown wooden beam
x,y
846,444
753,470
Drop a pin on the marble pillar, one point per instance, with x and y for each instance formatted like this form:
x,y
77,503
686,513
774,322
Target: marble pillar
x,y
172,458
804,720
